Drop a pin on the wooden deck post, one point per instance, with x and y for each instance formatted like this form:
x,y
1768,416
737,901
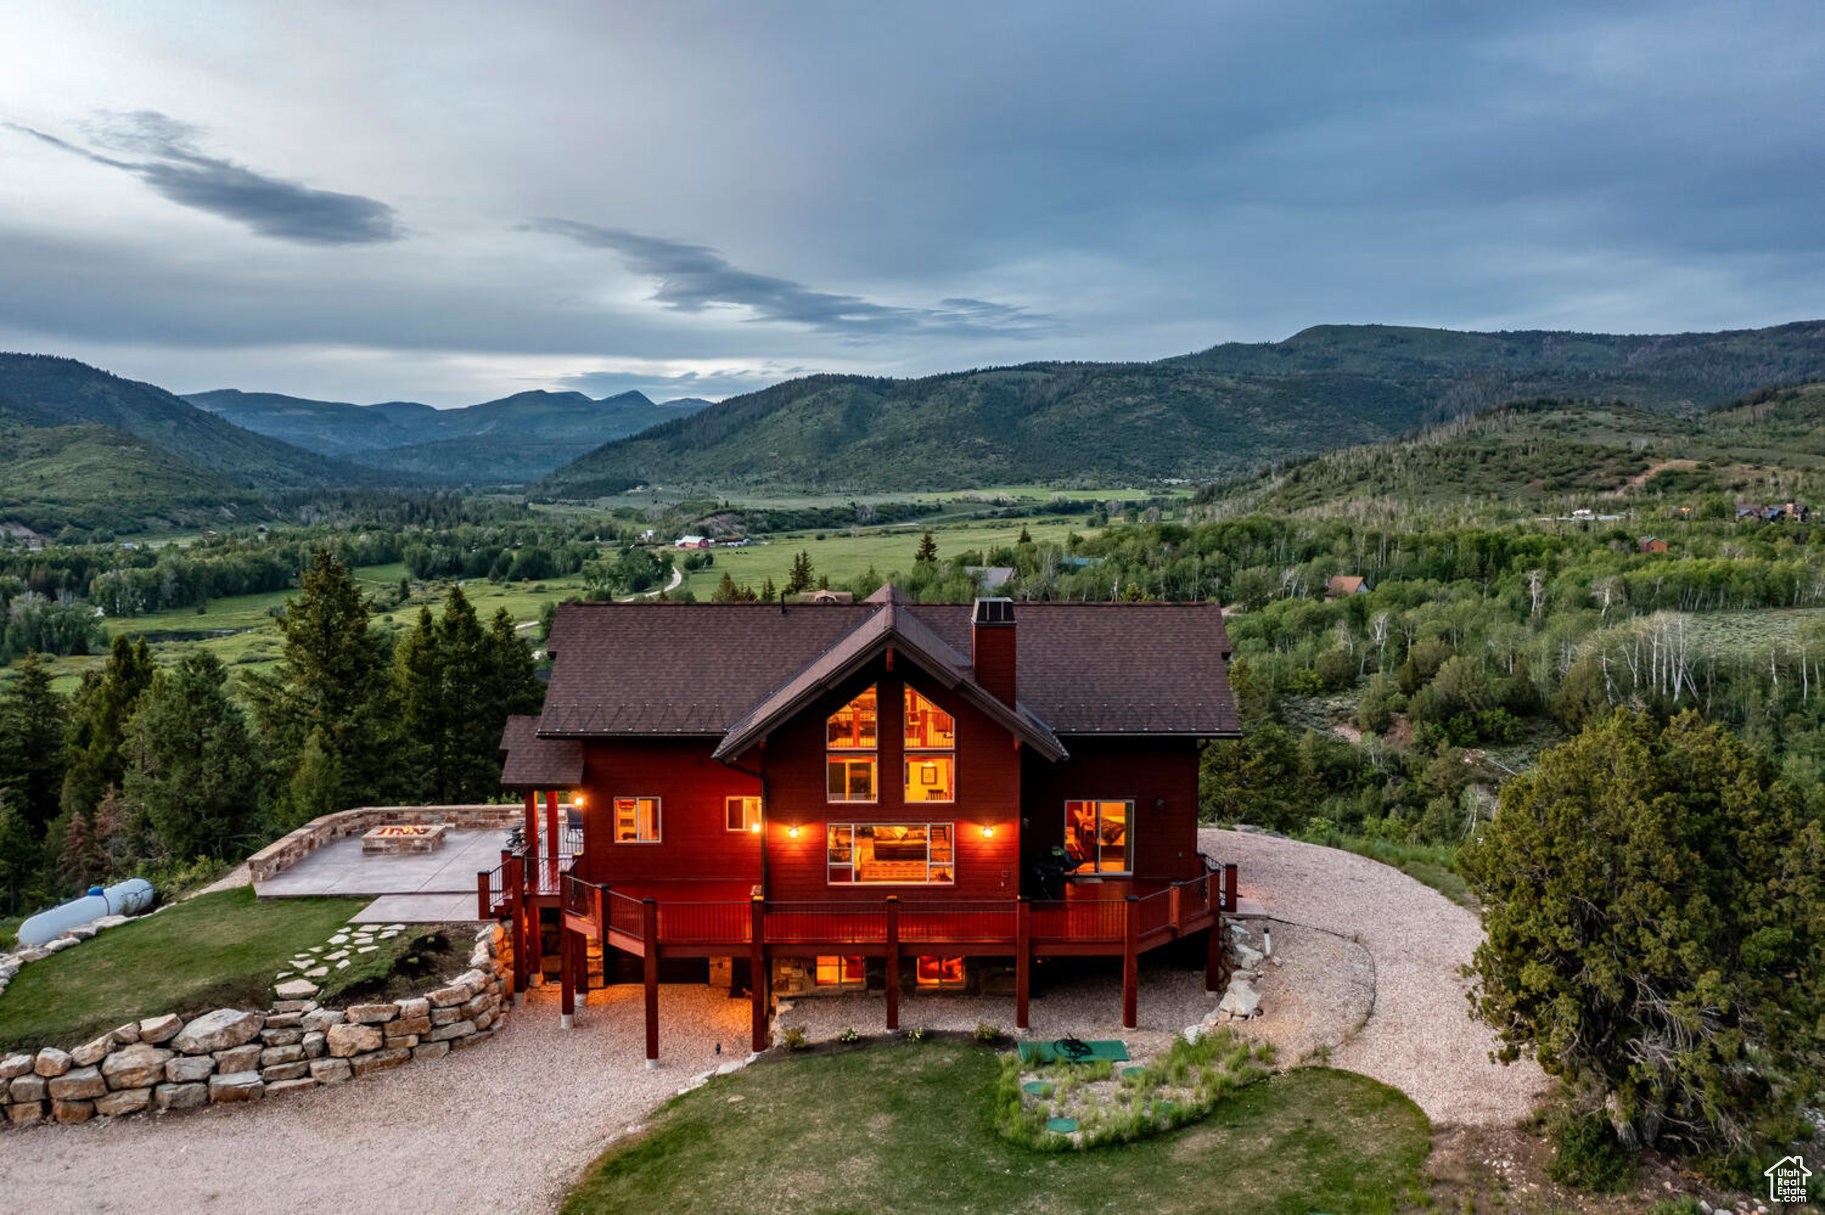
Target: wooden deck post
x,y
1172,905
1131,962
579,965
1023,959
893,962
649,932
532,826
483,903
1216,963
1229,887
516,899
552,851
567,982
758,978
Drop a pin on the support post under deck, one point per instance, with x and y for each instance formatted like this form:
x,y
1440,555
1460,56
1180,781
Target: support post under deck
x,y
1131,962
649,932
1023,960
893,962
757,971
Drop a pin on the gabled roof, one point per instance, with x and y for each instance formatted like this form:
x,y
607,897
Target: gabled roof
x,y
698,670
538,763
896,626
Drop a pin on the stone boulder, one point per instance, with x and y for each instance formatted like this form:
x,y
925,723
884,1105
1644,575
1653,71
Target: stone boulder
x,y
237,1086
78,1084
346,1041
180,1096
14,1065
238,1059
296,1084
220,1030
331,1071
124,1101
372,1014
92,1052
379,1060
157,1030
137,1066
456,1029
51,1062
1241,1000
29,1088
71,1112
189,1069
25,1115
296,989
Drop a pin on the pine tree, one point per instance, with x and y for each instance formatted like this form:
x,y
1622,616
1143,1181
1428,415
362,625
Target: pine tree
x,y
768,592
98,724
928,549
19,857
726,591
517,685
194,776
332,683
1026,537
81,860
33,722
801,575
456,686
316,785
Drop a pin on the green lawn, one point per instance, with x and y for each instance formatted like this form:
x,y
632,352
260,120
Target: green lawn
x,y
211,951
908,1128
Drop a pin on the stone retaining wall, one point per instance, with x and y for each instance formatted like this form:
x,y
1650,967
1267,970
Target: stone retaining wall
x,y
165,1063
287,851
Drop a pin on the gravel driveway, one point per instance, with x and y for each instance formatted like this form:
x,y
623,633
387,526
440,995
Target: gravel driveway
x,y
1420,1037
504,1127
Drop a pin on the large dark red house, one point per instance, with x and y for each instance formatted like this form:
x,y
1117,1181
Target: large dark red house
x,y
880,795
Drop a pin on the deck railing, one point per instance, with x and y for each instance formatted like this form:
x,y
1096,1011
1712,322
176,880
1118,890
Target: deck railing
x,y
1182,906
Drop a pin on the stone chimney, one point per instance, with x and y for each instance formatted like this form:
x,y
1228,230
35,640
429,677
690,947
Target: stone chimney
x,y
992,647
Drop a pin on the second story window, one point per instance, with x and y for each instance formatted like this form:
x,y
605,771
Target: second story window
x,y
741,813
931,743
851,736
636,820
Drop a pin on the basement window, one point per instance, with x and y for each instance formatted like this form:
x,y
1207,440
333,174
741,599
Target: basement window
x,y
939,973
835,971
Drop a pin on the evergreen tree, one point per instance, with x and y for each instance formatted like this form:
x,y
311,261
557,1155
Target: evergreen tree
x,y
768,592
456,686
33,722
331,682
1026,537
516,684
1653,899
98,724
928,549
19,858
801,575
316,787
194,776
726,591
80,858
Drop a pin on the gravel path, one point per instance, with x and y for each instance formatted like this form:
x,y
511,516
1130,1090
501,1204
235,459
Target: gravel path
x,y
506,1126
1420,1037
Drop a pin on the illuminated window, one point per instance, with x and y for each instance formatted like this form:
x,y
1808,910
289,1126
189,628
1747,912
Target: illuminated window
x,y
851,735
636,820
1097,835
931,736
940,972
741,813
892,854
833,971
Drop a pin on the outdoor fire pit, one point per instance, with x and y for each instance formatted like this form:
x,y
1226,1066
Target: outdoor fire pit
x,y
406,837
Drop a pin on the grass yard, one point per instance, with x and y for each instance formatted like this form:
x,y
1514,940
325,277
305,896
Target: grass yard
x,y
908,1128
211,951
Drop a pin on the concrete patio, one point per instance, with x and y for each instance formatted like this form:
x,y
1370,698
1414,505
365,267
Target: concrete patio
x,y
410,888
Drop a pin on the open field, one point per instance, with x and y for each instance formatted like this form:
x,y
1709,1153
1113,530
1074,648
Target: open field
x,y
843,555
211,951
908,1127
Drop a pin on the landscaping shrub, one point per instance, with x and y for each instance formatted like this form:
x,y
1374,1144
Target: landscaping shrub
x,y
794,1038
988,1033
1587,1155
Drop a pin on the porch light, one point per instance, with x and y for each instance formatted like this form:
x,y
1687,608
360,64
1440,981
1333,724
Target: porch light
x,y
576,799
755,828
792,832
988,833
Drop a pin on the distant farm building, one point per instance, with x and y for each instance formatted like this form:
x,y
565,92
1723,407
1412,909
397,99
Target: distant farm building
x,y
1347,584
1651,544
693,542
1772,512
991,577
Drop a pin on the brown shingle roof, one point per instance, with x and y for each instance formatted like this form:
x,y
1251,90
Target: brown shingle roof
x,y
699,669
538,763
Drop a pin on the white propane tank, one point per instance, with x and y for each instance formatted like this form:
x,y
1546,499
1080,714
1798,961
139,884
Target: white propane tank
x,y
127,898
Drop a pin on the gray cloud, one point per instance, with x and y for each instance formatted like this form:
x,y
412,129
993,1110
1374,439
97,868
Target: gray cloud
x,y
271,206
693,278
721,382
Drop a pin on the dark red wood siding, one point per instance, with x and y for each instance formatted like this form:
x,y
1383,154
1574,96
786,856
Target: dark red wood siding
x,y
1159,775
987,795
691,786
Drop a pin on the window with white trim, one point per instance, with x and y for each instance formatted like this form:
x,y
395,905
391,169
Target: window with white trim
x,y
931,743
636,820
1100,836
892,854
741,813
851,737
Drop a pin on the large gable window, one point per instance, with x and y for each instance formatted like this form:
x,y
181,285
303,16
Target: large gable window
x,y
851,736
931,742
1099,836
892,854
636,820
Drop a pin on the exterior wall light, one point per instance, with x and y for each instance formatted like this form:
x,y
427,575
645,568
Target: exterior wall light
x,y
792,832
988,833
755,828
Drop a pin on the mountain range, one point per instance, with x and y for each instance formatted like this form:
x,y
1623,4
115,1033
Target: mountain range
x,y
1219,413
512,440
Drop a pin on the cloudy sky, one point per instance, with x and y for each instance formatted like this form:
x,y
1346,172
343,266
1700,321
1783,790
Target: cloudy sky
x,y
448,202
